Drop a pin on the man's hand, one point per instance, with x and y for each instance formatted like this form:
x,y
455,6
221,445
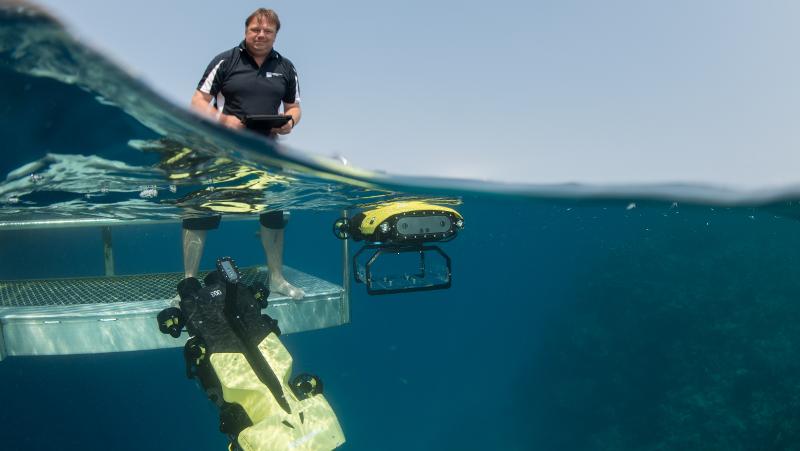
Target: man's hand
x,y
285,129
230,121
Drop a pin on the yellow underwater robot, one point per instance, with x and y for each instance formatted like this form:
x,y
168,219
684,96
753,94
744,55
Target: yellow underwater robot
x,y
397,231
236,355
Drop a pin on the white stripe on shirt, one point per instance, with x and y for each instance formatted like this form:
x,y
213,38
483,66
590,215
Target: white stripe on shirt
x,y
206,88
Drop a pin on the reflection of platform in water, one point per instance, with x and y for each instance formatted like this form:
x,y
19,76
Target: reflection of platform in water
x,y
118,313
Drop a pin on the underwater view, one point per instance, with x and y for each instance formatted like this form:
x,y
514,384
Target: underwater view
x,y
573,317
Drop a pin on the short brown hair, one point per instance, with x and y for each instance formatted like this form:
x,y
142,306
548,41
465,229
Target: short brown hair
x,y
268,14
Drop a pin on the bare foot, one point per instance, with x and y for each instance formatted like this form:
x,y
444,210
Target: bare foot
x,y
278,284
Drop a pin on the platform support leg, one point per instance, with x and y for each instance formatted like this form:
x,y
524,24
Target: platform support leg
x,y
345,277
108,251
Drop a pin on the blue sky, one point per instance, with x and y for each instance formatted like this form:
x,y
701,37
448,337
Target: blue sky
x,y
539,91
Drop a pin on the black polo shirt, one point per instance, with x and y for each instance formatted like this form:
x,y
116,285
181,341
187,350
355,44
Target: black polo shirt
x,y
247,88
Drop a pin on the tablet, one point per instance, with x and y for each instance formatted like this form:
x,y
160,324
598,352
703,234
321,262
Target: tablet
x,y
265,122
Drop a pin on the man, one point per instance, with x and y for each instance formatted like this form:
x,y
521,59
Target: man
x,y
253,79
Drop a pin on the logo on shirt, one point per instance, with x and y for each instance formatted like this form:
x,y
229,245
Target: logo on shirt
x,y
272,74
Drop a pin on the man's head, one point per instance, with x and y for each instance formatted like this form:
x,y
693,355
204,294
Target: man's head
x,y
260,30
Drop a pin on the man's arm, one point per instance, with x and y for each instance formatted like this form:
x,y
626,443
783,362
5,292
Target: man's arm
x,y
292,109
201,102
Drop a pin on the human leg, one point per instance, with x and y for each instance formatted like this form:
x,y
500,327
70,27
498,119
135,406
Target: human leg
x,y
193,243
194,239
272,234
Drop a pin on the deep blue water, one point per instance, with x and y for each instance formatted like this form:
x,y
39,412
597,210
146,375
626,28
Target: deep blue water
x,y
572,327
572,324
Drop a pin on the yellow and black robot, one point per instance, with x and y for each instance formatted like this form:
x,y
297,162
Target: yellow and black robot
x,y
397,229
236,355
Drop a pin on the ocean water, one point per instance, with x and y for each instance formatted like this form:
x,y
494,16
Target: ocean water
x,y
580,318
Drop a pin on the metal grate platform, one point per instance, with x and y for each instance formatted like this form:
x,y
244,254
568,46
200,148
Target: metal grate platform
x,y
132,288
89,290
117,313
